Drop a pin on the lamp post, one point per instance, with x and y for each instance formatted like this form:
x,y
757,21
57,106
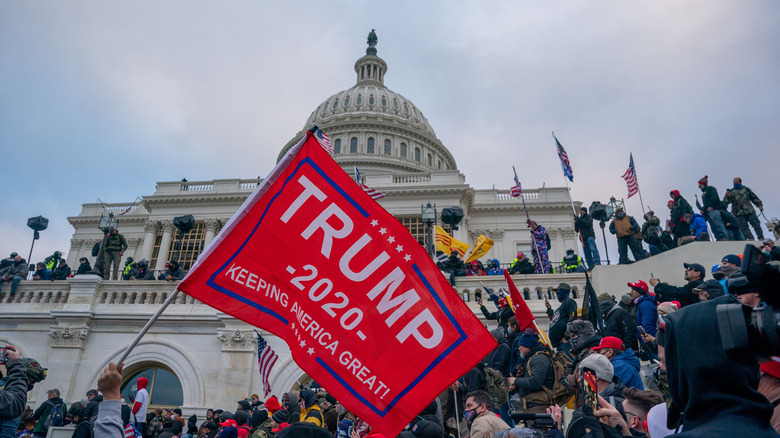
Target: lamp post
x,y
184,224
429,219
38,224
106,222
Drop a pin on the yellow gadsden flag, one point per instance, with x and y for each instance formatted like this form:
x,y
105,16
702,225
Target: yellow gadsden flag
x,y
446,244
481,248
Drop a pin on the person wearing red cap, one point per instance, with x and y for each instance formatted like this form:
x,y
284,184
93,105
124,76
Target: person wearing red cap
x,y
141,403
624,361
646,308
521,265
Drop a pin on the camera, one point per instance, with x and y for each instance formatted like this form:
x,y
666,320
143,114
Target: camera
x,y
538,421
4,356
752,334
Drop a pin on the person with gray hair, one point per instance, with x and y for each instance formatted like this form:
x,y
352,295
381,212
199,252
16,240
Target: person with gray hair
x,y
44,410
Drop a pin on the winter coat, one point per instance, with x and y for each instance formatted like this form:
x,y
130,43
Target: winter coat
x,y
176,274
61,273
514,354
679,208
499,357
115,243
487,425
84,268
502,315
17,270
13,398
521,267
584,225
145,274
618,323
717,395
684,294
495,268
646,314
42,413
729,221
626,366
539,371
651,230
312,413
561,317
698,225
710,199
42,274
91,411
741,200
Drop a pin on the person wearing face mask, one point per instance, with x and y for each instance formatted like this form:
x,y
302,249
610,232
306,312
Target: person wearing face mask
x,y
560,318
538,374
482,422
742,200
625,228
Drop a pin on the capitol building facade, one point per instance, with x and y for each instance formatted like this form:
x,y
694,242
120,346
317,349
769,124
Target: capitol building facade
x,y
197,358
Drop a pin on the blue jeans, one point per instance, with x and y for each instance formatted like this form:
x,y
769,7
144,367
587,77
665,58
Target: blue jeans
x,y
14,283
591,252
716,223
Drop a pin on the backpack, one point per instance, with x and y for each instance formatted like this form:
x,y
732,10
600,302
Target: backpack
x,y
495,386
559,394
55,417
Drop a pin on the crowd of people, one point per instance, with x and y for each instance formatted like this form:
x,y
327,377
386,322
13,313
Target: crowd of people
x,y
652,367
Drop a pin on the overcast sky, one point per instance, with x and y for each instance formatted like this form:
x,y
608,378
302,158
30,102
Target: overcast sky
x,y
104,99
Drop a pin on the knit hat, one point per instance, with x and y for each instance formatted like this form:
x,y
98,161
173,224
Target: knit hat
x,y
667,307
640,286
599,364
272,404
733,259
604,297
529,340
229,432
280,416
704,181
244,405
583,329
626,300
498,334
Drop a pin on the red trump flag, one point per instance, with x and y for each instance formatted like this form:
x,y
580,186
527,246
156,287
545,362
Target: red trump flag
x,y
311,258
523,314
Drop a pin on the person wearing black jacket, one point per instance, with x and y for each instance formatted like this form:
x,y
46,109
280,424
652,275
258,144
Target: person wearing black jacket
x,y
694,275
561,316
584,225
678,209
61,272
82,425
503,313
498,359
13,397
454,265
618,323
711,206
711,395
84,266
539,372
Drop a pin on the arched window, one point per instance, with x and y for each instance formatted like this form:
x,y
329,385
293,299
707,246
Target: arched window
x,y
346,101
337,146
370,145
335,104
417,154
353,145
325,108
388,147
430,160
164,387
403,150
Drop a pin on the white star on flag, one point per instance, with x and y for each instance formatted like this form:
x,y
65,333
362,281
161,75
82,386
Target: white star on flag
x,y
391,239
374,223
303,343
407,257
382,231
399,248
310,351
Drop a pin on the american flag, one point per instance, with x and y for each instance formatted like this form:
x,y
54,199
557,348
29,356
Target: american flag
x,y
564,160
374,194
323,140
630,177
266,358
517,189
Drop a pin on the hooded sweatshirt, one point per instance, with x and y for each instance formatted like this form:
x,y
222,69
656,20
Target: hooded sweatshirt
x,y
141,400
626,366
310,409
294,410
716,395
495,268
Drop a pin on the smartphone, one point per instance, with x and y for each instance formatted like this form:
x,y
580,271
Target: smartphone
x,y
641,330
589,390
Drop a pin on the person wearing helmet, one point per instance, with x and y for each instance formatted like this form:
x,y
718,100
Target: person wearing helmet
x,y
22,374
53,260
128,268
141,271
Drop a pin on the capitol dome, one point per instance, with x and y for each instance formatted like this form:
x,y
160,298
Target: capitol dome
x,y
376,129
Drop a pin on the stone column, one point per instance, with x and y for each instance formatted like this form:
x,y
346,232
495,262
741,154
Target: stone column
x,y
151,231
73,253
211,231
165,244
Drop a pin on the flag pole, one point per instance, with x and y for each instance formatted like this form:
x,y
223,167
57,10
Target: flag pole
x,y
455,403
148,325
581,246
641,201
533,240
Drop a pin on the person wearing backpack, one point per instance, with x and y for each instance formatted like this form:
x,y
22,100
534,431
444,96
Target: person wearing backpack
x,y
538,380
49,413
